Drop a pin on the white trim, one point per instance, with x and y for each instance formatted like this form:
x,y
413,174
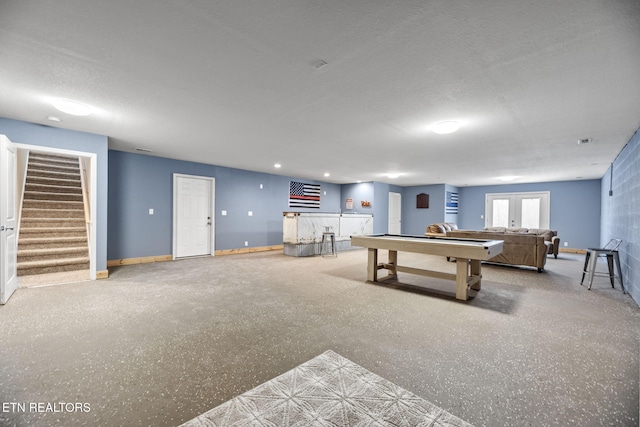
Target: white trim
x,y
212,236
93,198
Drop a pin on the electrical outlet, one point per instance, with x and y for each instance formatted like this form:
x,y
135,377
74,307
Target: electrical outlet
x,y
566,243
151,211
246,243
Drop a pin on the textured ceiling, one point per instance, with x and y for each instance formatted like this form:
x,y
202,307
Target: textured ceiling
x,y
237,83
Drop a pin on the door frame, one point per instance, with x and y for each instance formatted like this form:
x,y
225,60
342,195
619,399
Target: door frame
x,y
212,197
93,194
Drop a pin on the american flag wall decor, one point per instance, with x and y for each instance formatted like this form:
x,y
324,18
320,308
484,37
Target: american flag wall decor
x,y
304,195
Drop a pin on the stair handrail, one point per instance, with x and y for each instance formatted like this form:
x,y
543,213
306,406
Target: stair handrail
x,y
85,199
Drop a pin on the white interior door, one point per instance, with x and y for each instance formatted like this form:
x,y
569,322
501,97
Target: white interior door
x,y
8,222
193,215
395,213
517,210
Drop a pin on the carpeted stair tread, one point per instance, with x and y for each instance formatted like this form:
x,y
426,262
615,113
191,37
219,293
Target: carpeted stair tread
x,y
52,213
52,187
52,157
41,195
60,261
51,254
52,223
53,174
51,230
51,242
52,204
55,167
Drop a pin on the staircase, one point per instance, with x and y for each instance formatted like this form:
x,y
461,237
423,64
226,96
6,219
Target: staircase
x,y
53,235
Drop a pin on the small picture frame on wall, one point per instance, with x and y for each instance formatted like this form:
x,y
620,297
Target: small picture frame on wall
x,y
422,201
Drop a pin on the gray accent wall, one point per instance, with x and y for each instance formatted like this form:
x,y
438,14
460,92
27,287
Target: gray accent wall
x,y
621,212
139,182
50,137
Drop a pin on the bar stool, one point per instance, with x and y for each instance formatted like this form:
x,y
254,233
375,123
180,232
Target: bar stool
x,y
610,251
328,239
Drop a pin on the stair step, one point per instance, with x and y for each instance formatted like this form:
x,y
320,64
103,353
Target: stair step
x,y
52,174
45,223
48,180
42,232
53,204
28,255
51,242
41,195
52,266
52,213
69,168
52,157
51,187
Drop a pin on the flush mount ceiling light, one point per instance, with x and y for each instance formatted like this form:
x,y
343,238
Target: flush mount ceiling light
x,y
53,118
393,175
277,166
508,178
445,127
327,174
71,107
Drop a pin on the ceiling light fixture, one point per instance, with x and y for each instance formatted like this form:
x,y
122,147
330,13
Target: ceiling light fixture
x,y
327,174
393,175
71,107
53,118
445,127
277,166
508,178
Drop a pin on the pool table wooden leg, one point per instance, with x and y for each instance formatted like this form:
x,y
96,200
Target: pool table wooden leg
x,y
372,265
476,274
462,269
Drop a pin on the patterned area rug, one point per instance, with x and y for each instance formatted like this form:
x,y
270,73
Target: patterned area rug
x,y
328,390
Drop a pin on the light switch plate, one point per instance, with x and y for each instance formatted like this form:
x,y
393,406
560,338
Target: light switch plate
x,y
150,211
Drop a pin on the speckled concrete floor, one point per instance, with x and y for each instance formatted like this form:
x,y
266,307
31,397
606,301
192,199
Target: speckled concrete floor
x,y
158,344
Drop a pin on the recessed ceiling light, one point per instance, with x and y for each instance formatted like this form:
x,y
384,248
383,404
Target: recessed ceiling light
x,y
393,175
327,174
447,126
72,107
277,166
53,118
507,178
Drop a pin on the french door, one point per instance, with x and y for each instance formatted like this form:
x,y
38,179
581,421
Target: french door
x,y
517,210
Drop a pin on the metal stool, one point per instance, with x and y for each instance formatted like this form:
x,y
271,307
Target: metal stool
x,y
610,251
328,238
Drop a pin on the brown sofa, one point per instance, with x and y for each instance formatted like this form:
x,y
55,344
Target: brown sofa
x,y
520,248
440,228
550,236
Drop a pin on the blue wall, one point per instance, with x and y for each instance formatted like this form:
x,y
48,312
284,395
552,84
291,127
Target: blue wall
x,y
140,182
380,205
621,212
358,192
414,220
575,208
46,136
